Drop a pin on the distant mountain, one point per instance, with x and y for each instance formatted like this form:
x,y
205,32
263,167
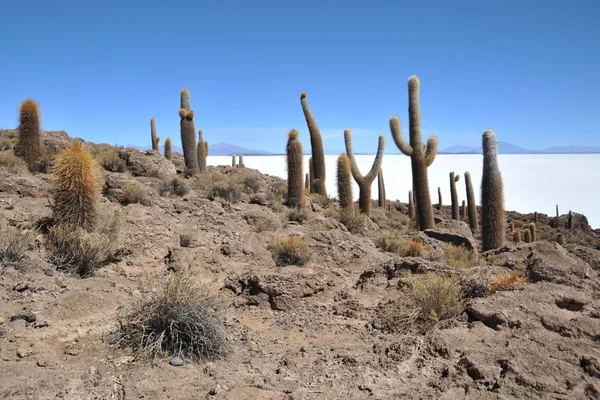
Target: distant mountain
x,y
459,149
217,149
572,150
503,148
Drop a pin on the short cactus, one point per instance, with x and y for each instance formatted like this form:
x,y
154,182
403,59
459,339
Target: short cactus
x,y
527,236
155,139
533,231
454,195
188,134
307,183
463,211
493,221
29,146
421,157
570,223
233,162
316,144
201,152
168,149
364,182
344,182
381,188
241,161
536,217
517,236
472,207
439,198
560,239
295,194
76,182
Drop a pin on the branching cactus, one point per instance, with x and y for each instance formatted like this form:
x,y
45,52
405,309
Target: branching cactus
x,y
344,182
381,188
421,157
201,152
364,182
28,146
311,173
316,144
493,221
294,167
439,198
155,139
473,222
168,149
188,134
454,195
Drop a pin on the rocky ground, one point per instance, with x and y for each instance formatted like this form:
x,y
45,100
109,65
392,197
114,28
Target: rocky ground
x,y
338,327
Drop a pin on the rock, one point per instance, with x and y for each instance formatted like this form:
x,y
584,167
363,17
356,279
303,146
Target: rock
x,y
41,363
21,286
42,324
49,271
27,316
260,199
176,361
454,232
2,320
24,352
21,185
102,371
147,163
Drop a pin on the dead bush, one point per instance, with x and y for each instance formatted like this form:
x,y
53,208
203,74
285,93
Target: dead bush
x,y
389,241
185,239
437,297
174,187
276,195
321,200
13,163
461,258
354,221
299,215
6,143
251,183
135,194
414,248
182,319
264,224
291,250
110,160
502,282
14,243
216,184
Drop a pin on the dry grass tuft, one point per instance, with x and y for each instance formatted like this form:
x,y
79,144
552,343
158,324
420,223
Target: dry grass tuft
x,y
437,297
390,242
460,258
291,250
297,215
183,319
109,160
13,163
354,221
186,239
502,282
414,248
135,194
13,245
176,186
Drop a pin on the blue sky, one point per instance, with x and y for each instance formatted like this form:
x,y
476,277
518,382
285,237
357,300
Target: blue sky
x,y
527,69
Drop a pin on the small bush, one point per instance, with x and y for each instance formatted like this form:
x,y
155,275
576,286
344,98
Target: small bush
x,y
135,194
13,163
354,221
180,320
502,282
414,248
45,161
110,160
297,215
389,241
437,297
265,224
321,200
6,143
291,250
185,239
175,186
13,245
459,257
227,189
276,195
251,184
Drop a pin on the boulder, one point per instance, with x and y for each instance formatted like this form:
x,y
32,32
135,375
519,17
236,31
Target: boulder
x,y
147,163
454,232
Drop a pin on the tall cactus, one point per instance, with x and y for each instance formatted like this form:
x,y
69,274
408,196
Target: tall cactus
x,y
364,182
233,162
311,174
439,198
201,152
570,223
454,195
381,188
536,217
493,219
241,161
344,182
155,139
463,212
168,149
188,134
295,195
420,157
533,231
473,222
29,146
316,144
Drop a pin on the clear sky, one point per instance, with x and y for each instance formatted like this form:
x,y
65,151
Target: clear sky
x,y
100,70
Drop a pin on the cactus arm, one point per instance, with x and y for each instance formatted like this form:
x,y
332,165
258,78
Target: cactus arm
x,y
456,178
378,160
350,152
431,150
396,129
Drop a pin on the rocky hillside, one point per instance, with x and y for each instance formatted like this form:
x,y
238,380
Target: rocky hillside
x,y
377,310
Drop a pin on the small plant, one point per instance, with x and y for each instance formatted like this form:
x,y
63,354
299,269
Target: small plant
x,y
13,245
502,282
354,221
297,215
460,258
276,195
414,248
290,250
322,201
29,147
135,194
182,319
13,163
264,224
110,161
251,184
437,297
186,239
388,241
174,187
6,143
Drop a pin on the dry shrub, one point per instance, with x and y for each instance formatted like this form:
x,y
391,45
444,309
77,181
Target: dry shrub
x,y
388,241
183,319
176,186
264,224
437,297
276,195
109,159
135,194
251,183
291,250
13,245
216,184
13,163
354,221
414,248
6,143
461,258
185,239
79,251
321,200
297,215
502,282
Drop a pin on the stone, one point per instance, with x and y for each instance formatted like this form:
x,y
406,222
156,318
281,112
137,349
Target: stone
x,y
147,163
27,316
176,361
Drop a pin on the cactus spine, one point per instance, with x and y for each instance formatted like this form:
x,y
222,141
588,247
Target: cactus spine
x,y
155,139
28,146
188,134
344,182
381,188
168,149
76,182
364,182
454,195
311,173
420,157
472,207
517,236
233,163
533,231
201,152
295,195
493,221
439,198
316,144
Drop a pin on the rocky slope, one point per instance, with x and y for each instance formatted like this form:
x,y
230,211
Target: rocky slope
x,y
335,328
